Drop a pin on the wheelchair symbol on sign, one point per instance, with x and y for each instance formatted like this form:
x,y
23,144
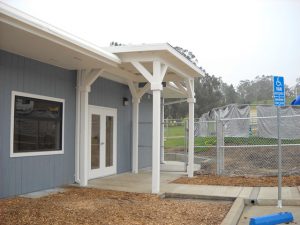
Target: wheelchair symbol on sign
x,y
278,82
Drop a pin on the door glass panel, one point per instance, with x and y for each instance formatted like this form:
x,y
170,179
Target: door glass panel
x,y
109,141
95,142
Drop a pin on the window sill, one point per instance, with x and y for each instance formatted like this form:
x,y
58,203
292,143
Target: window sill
x,y
25,154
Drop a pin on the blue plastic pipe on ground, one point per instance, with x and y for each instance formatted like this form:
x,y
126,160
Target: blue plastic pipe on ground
x,y
273,219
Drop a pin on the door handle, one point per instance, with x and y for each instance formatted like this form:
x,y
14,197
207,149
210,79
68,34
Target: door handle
x,y
102,143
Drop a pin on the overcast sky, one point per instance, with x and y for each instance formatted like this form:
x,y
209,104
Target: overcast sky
x,y
235,40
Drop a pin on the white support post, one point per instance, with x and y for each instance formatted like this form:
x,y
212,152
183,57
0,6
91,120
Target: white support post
x,y
85,78
155,80
83,153
190,168
191,100
156,141
162,147
156,88
135,134
77,135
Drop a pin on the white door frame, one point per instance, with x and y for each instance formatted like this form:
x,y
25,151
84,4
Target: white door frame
x,y
103,112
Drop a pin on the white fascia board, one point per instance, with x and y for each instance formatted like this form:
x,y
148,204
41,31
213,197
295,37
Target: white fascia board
x,y
155,47
37,27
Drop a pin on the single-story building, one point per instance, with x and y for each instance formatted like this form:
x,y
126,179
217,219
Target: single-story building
x,y
71,111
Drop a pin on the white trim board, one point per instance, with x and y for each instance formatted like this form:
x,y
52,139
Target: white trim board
x,y
12,120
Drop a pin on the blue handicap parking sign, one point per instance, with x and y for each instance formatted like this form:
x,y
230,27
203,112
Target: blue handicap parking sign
x,y
278,91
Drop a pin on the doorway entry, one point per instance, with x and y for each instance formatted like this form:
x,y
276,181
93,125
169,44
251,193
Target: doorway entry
x,y
102,141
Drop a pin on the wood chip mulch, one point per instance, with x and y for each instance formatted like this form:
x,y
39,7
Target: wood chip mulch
x,y
260,181
94,206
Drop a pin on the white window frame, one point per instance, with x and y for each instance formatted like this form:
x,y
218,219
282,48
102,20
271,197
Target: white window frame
x,y
12,120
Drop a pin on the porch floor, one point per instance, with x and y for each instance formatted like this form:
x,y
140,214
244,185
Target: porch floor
x,y
140,183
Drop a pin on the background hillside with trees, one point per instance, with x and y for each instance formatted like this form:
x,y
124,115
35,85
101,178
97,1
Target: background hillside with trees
x,y
212,92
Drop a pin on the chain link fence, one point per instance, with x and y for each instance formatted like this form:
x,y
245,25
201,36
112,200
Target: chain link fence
x,y
175,140
255,153
239,146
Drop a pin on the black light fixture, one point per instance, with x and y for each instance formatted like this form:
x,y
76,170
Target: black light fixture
x,y
125,101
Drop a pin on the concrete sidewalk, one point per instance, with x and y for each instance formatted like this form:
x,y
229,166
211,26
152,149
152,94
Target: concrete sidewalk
x,y
141,183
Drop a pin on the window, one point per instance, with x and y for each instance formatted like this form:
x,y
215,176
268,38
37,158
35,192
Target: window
x,y
37,125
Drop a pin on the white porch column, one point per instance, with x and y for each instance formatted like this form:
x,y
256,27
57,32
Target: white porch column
x,y
162,147
156,90
190,168
77,135
135,134
83,152
85,78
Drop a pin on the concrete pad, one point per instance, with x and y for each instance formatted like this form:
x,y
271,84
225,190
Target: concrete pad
x,y
234,213
268,196
140,183
175,166
43,193
253,211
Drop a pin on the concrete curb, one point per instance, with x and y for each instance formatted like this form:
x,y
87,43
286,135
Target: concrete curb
x,y
273,202
195,196
253,196
235,212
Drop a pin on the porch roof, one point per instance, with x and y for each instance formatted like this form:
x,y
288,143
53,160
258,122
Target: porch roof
x,y
178,65
25,35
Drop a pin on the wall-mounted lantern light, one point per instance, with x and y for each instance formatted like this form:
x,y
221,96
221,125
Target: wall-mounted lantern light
x,y
125,102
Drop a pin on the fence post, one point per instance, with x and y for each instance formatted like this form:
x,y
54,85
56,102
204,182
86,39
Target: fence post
x,y
220,143
218,146
279,160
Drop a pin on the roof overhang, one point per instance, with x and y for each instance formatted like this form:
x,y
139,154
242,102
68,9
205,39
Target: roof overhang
x,y
179,67
25,35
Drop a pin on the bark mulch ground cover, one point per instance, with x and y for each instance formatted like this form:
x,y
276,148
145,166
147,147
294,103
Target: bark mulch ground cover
x,y
94,206
259,181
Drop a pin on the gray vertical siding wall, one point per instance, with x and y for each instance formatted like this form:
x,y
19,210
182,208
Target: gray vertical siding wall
x,y
27,174
110,94
145,132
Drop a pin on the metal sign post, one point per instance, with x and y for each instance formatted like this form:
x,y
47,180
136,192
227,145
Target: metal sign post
x,y
279,160
279,100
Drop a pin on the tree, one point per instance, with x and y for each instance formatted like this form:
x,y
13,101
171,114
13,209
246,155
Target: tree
x,y
259,89
230,94
208,94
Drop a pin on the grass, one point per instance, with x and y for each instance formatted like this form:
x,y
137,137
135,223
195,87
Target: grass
x,y
199,141
172,131
175,139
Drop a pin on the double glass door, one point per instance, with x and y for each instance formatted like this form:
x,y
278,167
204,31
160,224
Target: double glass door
x,y
102,141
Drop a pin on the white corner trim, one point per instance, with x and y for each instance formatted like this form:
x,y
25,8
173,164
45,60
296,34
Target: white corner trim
x,y
12,120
